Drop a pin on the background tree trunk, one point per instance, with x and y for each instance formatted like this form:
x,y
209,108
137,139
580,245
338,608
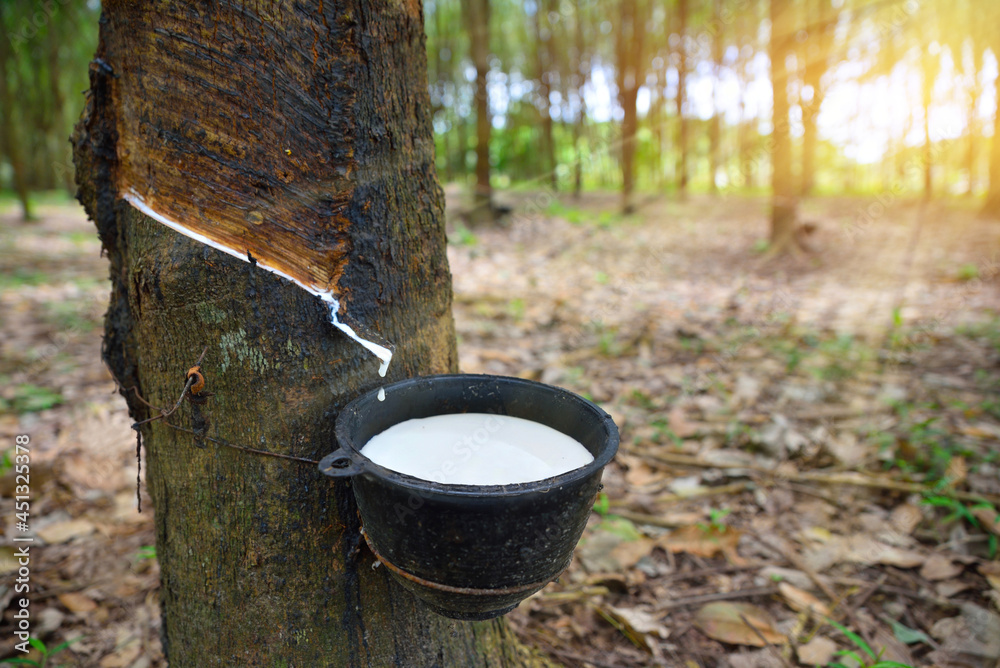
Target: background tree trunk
x,y
784,202
9,135
543,63
715,124
477,14
581,66
261,558
629,55
928,70
991,208
816,51
681,169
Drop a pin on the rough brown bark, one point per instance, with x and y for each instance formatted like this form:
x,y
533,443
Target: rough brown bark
x,y
262,562
477,16
784,193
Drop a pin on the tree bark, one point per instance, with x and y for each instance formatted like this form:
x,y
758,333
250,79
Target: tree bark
x,y
991,208
261,558
543,63
9,135
581,65
817,56
681,169
629,55
784,194
715,124
929,74
973,126
477,14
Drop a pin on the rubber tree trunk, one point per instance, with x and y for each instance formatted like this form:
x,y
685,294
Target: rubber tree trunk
x,y
629,55
715,124
261,558
681,169
817,57
581,66
991,208
10,137
929,71
973,124
784,194
477,15
544,64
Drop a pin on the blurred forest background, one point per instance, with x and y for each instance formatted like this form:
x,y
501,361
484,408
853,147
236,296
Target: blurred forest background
x,y
813,432
638,96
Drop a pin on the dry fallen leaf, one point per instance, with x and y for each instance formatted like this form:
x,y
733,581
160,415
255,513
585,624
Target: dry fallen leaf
x,y
725,621
949,588
62,532
957,471
637,624
817,652
123,656
76,602
894,556
989,518
705,542
629,552
802,601
939,567
8,560
641,474
679,424
905,518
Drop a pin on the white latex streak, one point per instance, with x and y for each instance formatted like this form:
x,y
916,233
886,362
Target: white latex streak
x,y
381,352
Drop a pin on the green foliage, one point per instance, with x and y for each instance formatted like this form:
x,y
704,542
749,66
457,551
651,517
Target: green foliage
x,y
602,505
146,552
643,400
619,526
572,215
46,652
30,398
905,634
715,523
70,316
988,330
871,658
920,443
49,47
961,511
607,342
462,236
967,272
662,433
516,309
22,277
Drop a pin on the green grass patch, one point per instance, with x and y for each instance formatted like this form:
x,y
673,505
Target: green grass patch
x,y
23,277
29,398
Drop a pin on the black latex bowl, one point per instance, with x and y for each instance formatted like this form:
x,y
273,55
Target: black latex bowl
x,y
472,551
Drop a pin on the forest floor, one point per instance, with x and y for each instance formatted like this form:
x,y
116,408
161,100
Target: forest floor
x,y
809,453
